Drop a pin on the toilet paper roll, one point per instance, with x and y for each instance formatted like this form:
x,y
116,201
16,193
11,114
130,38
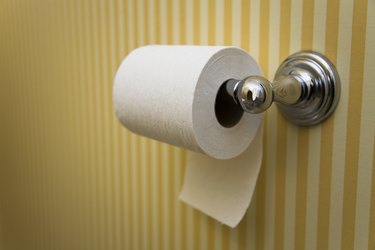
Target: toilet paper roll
x,y
168,93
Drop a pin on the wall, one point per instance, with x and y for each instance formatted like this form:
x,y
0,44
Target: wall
x,y
72,178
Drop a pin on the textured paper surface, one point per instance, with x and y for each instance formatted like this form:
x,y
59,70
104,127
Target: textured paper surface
x,y
223,189
168,93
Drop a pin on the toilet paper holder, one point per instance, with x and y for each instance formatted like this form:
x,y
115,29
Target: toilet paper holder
x,y
306,89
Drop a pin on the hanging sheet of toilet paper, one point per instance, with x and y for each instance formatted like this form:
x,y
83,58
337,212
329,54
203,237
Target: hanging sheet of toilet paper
x,y
223,189
168,93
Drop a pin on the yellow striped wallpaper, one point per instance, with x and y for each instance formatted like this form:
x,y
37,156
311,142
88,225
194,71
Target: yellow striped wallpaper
x,y
72,178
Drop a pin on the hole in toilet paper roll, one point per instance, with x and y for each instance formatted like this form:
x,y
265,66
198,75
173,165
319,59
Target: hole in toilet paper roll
x,y
228,113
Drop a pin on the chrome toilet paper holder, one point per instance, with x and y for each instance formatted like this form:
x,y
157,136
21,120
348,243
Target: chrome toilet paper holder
x,y
306,89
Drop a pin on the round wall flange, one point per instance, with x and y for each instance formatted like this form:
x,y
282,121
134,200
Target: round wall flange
x,y
306,89
320,87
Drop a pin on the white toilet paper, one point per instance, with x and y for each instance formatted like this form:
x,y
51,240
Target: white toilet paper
x,y
168,93
223,189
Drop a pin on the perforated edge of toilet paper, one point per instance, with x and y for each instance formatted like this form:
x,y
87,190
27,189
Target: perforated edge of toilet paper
x,y
223,189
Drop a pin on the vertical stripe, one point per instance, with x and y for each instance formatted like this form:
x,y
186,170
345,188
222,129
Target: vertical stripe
x,y
364,224
157,21
236,23
26,110
354,122
363,220
134,141
177,185
227,22
163,169
254,28
99,142
196,22
155,213
84,132
211,22
163,22
183,21
183,206
84,124
160,196
290,189
92,122
220,15
340,128
72,211
301,193
245,25
327,134
203,24
312,191
371,230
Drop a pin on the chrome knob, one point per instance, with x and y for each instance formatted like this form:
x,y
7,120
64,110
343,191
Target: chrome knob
x,y
254,94
306,89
